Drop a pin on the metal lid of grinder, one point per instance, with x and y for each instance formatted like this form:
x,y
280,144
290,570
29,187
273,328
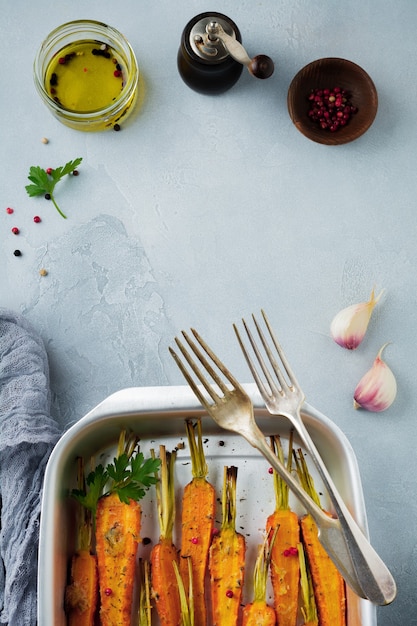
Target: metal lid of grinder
x,y
204,40
211,56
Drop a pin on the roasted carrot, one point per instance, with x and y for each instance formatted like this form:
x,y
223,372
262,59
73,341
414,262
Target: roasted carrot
x,y
81,596
118,522
164,554
198,511
227,559
308,605
259,612
117,539
285,570
328,584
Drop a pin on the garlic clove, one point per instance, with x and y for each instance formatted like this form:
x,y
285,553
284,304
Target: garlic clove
x,y
348,327
377,389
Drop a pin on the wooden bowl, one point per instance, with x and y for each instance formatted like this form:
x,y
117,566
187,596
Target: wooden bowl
x,y
329,73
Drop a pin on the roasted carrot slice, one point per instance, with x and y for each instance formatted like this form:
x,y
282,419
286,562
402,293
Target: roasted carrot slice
x,y
117,538
227,559
164,554
285,569
198,512
81,597
328,584
259,612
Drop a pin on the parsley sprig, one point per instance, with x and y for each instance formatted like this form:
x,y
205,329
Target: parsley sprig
x,y
129,476
44,183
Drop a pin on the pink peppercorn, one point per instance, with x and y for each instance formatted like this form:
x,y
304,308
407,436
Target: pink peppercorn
x,y
194,540
292,551
15,230
9,210
229,593
117,73
108,591
37,219
270,470
330,108
49,170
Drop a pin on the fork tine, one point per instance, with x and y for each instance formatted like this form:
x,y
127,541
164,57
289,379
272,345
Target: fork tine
x,y
280,352
250,362
203,401
219,364
278,372
207,366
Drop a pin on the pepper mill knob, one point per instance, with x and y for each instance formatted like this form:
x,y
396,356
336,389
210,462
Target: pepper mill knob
x,y
211,56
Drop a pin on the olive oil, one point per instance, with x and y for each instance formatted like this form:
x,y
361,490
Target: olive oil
x,y
85,76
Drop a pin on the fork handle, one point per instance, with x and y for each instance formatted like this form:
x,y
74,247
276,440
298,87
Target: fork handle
x,y
378,585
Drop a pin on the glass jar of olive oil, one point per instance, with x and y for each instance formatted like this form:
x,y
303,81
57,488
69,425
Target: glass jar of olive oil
x,y
87,75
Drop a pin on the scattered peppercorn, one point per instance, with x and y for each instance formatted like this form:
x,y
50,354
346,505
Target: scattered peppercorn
x,y
17,253
116,127
194,540
49,170
9,210
229,593
292,551
15,230
270,470
45,140
47,196
108,591
117,73
43,272
37,219
146,541
75,173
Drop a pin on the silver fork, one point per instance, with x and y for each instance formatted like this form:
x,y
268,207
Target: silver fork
x,y
286,399
231,408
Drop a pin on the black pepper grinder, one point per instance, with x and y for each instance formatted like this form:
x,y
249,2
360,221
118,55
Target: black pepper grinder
x,y
211,56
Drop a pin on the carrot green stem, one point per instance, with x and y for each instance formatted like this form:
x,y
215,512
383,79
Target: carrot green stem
x,y
198,461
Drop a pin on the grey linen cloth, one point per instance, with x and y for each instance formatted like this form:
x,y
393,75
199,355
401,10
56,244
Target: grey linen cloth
x,y
27,436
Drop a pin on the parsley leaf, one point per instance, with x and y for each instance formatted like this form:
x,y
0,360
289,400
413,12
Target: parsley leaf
x,y
96,481
130,476
43,183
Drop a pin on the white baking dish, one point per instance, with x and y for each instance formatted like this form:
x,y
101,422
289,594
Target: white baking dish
x,y
157,414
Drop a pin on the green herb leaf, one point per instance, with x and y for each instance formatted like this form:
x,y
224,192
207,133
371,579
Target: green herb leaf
x,y
118,471
128,476
144,470
44,183
96,482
